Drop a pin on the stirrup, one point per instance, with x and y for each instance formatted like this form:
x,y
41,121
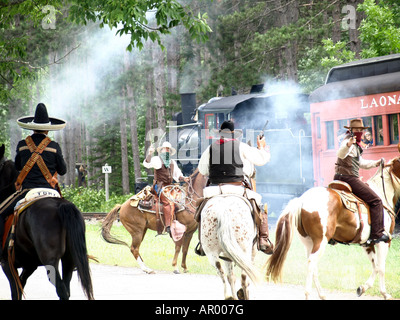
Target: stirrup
x,y
199,250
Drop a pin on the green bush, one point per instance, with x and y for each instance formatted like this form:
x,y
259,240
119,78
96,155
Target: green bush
x,y
92,200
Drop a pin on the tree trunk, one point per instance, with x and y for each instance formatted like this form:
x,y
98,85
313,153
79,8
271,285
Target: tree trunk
x,y
159,81
124,146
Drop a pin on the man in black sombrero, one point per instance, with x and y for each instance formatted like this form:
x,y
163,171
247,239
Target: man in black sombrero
x,y
38,158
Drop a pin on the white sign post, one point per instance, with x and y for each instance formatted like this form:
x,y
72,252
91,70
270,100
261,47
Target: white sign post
x,y
106,169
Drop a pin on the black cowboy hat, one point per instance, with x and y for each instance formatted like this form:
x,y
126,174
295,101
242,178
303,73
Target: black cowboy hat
x,y
227,130
41,121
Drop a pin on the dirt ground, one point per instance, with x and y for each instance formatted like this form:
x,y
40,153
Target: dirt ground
x,y
121,283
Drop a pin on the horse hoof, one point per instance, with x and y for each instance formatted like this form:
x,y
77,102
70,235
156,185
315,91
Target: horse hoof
x,y
240,294
360,291
388,296
177,272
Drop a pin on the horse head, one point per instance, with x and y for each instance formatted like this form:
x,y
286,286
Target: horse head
x,y
197,182
8,175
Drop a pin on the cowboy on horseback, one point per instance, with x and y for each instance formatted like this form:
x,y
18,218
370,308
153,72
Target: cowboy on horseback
x,y
38,158
347,167
229,161
166,171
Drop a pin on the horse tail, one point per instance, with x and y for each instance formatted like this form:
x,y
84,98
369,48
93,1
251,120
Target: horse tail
x,y
285,227
74,224
107,224
226,237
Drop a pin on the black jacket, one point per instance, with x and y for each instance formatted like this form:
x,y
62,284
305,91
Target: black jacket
x,y
52,157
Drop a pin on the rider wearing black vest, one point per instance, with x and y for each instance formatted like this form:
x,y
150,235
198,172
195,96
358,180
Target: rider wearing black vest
x,y
229,161
226,166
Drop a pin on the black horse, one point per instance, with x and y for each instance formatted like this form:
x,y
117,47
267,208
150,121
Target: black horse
x,y
50,230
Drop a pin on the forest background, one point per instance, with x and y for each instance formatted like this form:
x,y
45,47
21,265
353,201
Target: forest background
x,y
113,88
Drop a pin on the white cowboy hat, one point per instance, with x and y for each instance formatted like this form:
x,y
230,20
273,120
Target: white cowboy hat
x,y
41,121
166,144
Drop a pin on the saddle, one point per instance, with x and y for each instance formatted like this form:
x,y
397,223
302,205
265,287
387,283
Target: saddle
x,y
351,203
30,198
146,201
252,198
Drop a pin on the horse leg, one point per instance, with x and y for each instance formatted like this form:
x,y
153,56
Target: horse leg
x,y
220,271
185,248
25,274
244,293
378,260
178,246
383,249
136,241
16,294
55,278
231,280
67,270
312,273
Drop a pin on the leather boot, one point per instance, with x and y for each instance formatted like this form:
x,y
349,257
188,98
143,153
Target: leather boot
x,y
264,244
167,211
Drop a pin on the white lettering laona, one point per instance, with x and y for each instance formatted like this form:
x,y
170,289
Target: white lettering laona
x,y
382,101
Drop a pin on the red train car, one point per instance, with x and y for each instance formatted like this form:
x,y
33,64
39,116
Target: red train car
x,y
367,89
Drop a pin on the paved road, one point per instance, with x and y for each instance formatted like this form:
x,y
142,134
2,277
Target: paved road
x,y
121,283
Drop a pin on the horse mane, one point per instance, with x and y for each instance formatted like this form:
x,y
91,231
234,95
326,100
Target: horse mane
x,y
391,176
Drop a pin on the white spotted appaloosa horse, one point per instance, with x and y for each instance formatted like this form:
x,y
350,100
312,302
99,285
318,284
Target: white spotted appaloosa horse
x,y
227,229
320,216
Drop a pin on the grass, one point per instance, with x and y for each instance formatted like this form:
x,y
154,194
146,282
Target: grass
x,y
341,268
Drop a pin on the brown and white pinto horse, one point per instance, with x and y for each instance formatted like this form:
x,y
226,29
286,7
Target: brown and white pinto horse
x,y
137,221
319,216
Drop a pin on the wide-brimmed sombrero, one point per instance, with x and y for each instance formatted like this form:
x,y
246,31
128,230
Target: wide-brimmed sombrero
x,y
41,121
227,131
166,144
356,123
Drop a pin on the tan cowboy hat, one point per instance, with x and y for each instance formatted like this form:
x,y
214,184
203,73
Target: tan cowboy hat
x,y
166,144
356,123
41,121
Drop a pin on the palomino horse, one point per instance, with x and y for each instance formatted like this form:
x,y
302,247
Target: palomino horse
x,y
227,229
50,230
137,222
319,216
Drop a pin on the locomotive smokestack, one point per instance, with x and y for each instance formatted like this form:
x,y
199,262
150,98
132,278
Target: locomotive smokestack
x,y
188,102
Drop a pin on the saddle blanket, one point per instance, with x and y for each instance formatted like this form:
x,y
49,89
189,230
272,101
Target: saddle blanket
x,y
353,203
211,191
144,194
36,194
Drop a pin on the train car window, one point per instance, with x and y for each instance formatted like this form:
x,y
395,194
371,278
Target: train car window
x,y
394,128
318,123
367,122
342,123
220,119
378,130
210,121
330,139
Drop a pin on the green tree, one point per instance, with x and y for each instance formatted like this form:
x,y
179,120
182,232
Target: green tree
x,y
380,30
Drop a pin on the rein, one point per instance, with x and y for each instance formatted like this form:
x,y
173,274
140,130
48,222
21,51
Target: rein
x,y
382,164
